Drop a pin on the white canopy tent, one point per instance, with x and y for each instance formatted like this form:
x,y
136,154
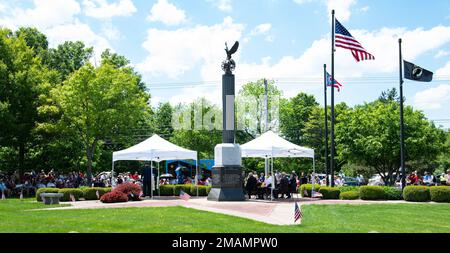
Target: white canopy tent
x,y
155,149
270,145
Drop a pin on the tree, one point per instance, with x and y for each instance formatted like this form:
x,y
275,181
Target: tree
x,y
369,135
98,103
21,77
34,40
163,120
199,133
68,57
294,114
252,94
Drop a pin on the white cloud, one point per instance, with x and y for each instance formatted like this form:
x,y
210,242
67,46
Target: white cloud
x,y
167,13
441,53
223,5
365,9
261,29
102,9
174,52
433,98
341,7
110,31
444,71
44,14
57,19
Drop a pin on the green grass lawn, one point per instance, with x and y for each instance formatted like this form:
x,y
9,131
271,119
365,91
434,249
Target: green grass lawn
x,y
14,217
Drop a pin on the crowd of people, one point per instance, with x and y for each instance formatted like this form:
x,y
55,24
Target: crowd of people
x,y
12,184
279,185
428,179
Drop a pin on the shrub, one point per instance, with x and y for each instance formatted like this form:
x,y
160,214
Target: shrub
x,y
371,193
45,190
90,193
114,196
349,195
329,192
133,191
308,188
201,190
416,193
185,187
166,190
440,193
348,188
392,193
208,189
77,193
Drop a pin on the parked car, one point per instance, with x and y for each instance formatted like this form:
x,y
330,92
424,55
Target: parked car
x,y
350,181
376,180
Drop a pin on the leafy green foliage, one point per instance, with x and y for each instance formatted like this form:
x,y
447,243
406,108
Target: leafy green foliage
x,y
68,57
77,193
329,192
440,193
392,193
350,195
417,193
45,190
371,193
90,193
308,189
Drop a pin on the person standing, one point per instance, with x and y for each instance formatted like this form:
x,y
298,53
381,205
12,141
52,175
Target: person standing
x,y
250,186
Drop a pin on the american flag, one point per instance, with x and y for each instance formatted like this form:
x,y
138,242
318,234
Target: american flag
x,y
72,198
3,194
344,39
336,84
98,194
297,213
184,196
21,195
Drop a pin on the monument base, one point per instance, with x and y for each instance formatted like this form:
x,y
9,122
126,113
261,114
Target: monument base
x,y
227,178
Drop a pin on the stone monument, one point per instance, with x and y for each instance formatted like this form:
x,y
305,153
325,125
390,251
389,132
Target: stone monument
x,y
227,178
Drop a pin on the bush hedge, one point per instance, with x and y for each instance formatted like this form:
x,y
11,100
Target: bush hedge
x,y
440,193
166,190
308,188
45,190
185,187
208,189
392,193
371,193
349,195
329,192
201,190
77,194
348,188
114,196
417,193
133,191
90,193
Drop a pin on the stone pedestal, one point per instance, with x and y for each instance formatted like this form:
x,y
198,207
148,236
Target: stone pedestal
x,y
227,179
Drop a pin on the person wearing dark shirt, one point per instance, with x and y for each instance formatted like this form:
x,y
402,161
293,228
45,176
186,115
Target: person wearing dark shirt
x,y
284,186
251,185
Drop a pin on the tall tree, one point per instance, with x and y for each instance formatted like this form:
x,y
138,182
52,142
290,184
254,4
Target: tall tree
x,y
98,103
369,135
163,120
68,57
21,76
294,114
34,39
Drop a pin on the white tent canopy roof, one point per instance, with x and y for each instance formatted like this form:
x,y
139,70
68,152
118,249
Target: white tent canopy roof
x,y
155,149
270,144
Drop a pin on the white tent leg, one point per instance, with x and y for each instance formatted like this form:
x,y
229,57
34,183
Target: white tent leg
x,y
273,179
196,175
151,179
113,183
159,186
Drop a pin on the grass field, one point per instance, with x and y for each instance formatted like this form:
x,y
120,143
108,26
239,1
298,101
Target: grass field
x,y
15,216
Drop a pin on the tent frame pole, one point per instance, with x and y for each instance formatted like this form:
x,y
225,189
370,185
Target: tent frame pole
x,y
112,176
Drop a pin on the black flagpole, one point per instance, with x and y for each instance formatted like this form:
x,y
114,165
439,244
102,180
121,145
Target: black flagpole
x,y
332,101
402,128
327,167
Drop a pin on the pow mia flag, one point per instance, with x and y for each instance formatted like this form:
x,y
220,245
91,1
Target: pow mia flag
x,y
416,73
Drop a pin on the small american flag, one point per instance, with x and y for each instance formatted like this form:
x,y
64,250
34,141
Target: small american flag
x,y
335,84
72,198
343,38
98,194
297,213
316,194
184,196
3,194
21,195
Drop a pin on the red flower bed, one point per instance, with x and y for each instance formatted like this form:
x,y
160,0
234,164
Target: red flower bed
x,y
113,197
131,190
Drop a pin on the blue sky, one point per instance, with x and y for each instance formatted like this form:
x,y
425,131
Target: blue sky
x,y
178,45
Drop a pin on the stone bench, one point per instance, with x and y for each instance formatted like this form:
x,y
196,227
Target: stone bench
x,y
51,198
